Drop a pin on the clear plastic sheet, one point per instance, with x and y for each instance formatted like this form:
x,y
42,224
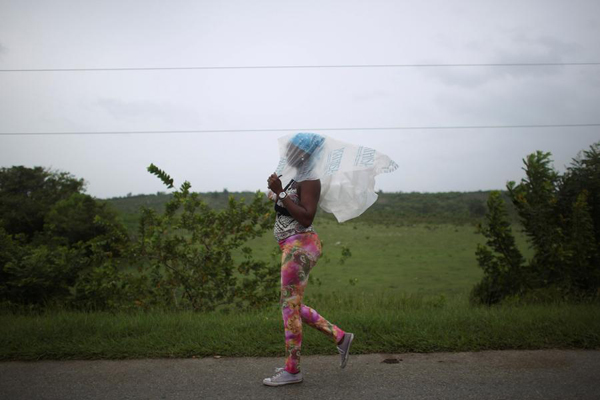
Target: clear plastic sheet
x,y
347,171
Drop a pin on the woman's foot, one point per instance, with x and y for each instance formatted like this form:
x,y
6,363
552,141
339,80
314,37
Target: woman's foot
x,y
344,348
282,377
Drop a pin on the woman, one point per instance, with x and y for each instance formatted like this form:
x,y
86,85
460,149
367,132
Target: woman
x,y
296,206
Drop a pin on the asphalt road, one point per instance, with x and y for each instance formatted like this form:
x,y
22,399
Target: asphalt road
x,y
529,374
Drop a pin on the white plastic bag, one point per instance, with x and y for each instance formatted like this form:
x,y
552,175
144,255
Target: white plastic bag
x,y
347,171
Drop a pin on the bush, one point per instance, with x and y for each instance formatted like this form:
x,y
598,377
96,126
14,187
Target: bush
x,y
75,253
50,235
560,218
501,261
187,252
37,275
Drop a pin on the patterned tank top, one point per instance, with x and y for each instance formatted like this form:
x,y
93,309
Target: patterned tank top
x,y
286,226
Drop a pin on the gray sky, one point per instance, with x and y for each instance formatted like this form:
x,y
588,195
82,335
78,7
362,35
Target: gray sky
x,y
135,33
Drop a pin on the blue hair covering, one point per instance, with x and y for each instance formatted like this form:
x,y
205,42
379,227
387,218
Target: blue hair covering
x,y
307,142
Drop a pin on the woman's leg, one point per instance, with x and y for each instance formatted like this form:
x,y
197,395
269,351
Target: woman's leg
x,y
312,318
300,254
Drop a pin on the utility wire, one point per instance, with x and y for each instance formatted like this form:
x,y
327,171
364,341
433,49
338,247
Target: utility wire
x,y
303,129
305,67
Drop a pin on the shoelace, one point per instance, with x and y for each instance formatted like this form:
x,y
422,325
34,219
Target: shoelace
x,y
278,374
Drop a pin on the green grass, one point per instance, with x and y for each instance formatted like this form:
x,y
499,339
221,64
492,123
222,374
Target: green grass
x,y
425,259
410,291
381,323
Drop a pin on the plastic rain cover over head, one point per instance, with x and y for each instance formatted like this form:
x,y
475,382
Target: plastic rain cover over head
x,y
347,171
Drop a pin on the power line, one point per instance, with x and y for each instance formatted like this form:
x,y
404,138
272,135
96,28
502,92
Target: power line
x,y
549,64
304,129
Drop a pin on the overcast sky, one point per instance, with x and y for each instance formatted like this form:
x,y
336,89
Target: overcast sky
x,y
37,34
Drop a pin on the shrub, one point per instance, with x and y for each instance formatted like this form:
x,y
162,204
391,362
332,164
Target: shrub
x,y
51,234
187,251
559,215
501,261
37,275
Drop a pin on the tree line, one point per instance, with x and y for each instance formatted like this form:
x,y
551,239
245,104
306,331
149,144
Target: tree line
x,y
401,208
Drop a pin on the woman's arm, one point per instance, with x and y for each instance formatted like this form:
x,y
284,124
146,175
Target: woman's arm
x,y
304,212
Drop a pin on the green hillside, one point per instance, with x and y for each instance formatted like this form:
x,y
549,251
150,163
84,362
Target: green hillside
x,y
457,208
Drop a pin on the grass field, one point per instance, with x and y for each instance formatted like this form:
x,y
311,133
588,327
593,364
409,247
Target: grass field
x,y
413,259
404,289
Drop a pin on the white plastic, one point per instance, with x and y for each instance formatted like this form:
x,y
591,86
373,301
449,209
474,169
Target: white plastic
x,y
347,171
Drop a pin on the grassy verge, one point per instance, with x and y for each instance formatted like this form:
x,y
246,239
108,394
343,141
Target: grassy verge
x,y
384,322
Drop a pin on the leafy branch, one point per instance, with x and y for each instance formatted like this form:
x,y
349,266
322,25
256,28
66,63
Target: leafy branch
x,y
164,177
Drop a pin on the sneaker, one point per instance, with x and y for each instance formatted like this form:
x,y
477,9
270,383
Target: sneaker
x,y
282,377
344,348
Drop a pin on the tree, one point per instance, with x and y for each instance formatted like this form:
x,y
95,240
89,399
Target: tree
x,y
51,233
80,218
501,261
27,194
579,202
535,199
561,217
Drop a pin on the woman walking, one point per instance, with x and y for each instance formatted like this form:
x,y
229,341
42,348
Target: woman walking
x,y
303,161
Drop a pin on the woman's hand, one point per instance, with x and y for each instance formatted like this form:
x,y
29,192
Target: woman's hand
x,y
274,184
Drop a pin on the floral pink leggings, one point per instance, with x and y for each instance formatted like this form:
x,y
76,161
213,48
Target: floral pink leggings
x,y
300,254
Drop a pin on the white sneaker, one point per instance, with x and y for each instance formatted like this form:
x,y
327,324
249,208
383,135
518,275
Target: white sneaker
x,y
344,348
282,377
